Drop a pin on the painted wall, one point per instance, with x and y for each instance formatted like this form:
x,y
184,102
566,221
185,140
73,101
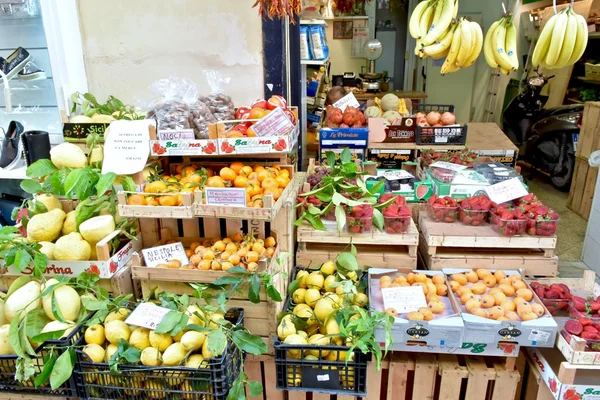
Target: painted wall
x,y
130,44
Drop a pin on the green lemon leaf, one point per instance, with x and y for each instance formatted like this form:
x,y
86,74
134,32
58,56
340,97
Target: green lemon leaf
x,y
40,168
228,280
249,343
237,390
105,183
63,369
256,388
14,337
217,340
31,186
273,293
168,322
254,289
49,362
340,217
347,262
56,310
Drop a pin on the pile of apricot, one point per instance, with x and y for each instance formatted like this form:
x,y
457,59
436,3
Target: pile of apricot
x,y
433,288
496,295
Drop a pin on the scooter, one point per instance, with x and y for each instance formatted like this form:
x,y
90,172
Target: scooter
x,y
547,138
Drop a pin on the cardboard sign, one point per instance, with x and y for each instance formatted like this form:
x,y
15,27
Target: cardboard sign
x,y
347,100
276,123
163,254
235,197
506,191
447,165
147,316
176,134
404,299
127,147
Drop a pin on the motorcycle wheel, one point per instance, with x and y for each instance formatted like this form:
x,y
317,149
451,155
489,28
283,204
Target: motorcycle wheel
x,y
563,181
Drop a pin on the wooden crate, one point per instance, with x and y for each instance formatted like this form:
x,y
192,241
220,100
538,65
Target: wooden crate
x,y
457,245
582,187
183,211
412,376
589,135
310,254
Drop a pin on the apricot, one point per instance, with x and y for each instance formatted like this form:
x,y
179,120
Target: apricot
x,y
519,285
415,316
410,277
508,306
499,274
519,300
427,313
472,276
505,281
500,298
461,291
472,303
496,312
495,290
385,278
431,296
392,311
423,285
460,278
454,285
400,279
524,308
466,297
479,288
538,309
442,289
502,319
488,301
529,316
438,279
515,277
420,277
482,273
436,306
480,312
431,288
525,293
511,315
508,290
490,281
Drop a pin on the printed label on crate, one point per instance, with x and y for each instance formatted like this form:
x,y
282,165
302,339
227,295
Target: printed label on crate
x,y
354,138
447,165
147,315
155,256
467,348
126,149
404,299
276,123
506,191
235,197
176,134
183,147
79,132
314,377
255,145
347,100
539,336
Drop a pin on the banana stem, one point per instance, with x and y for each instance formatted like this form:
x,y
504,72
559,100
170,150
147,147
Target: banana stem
x,y
554,3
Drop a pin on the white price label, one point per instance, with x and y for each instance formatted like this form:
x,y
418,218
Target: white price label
x,y
347,100
506,191
235,197
323,378
176,134
163,254
447,165
127,146
147,315
276,123
404,299
539,336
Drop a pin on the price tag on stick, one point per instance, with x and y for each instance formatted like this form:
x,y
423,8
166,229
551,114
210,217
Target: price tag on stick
x,y
506,191
147,316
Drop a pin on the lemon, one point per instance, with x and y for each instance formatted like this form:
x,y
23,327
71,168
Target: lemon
x,y
315,280
329,281
319,340
328,268
298,296
303,334
174,354
192,340
155,390
332,328
95,352
304,311
324,307
215,318
121,315
177,338
110,350
116,330
297,340
312,296
160,341
140,338
352,275
95,335
194,361
151,357
286,327
361,300
302,275
206,353
193,318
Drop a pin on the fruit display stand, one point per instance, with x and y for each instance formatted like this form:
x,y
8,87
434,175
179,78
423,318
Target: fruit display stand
x,y
454,245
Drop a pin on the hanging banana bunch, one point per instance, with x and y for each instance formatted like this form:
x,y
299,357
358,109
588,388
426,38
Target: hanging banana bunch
x,y
500,46
562,41
439,34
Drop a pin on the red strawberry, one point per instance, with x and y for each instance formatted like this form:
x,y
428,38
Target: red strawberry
x,y
584,321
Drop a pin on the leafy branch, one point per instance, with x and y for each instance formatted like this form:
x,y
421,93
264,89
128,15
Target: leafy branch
x,y
88,105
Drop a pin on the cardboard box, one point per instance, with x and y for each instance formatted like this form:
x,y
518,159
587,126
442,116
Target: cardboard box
x,y
357,154
339,138
445,330
506,157
466,349
402,133
391,159
466,183
106,269
204,147
408,189
540,332
580,384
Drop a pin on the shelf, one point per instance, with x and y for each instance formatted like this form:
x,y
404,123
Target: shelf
x,y
313,22
315,62
18,173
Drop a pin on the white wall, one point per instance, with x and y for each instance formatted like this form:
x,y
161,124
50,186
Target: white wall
x,y
129,44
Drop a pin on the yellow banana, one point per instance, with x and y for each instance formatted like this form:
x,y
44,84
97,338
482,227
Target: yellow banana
x,y
499,42
511,45
465,43
558,37
448,67
488,50
568,45
454,47
414,26
444,12
582,40
505,71
425,21
543,43
477,35
455,9
439,47
418,48
442,54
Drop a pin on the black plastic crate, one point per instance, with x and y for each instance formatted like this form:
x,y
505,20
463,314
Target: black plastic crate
x,y
294,372
439,135
212,381
8,366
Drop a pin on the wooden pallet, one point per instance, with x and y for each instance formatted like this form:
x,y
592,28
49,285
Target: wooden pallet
x,y
311,254
583,187
412,376
457,246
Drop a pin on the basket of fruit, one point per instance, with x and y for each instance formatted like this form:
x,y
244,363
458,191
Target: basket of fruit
x,y
396,216
475,210
508,220
442,209
556,297
436,124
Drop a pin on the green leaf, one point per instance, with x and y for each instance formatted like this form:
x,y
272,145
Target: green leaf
x,y
340,217
92,304
17,284
315,221
56,310
228,280
378,219
168,322
36,321
22,260
293,286
347,262
73,181
42,337
40,263
237,390
180,325
222,300
25,369
217,340
353,250
313,210
331,158
31,186
49,362
273,293
25,344
237,270
40,168
254,289
63,369
14,337
91,98
256,388
249,343
105,183
128,184
376,188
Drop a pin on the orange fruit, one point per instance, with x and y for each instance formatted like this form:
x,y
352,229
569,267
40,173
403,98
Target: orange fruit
x,y
189,170
264,174
215,181
252,190
252,266
270,242
245,170
269,183
219,246
252,256
237,166
282,182
234,259
257,113
272,191
209,172
136,200
240,181
204,265
155,187
179,199
258,203
237,237
152,201
194,245
167,201
227,174
250,132
284,172
174,264
179,168
258,168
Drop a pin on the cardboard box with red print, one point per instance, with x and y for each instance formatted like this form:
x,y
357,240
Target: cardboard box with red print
x,y
184,147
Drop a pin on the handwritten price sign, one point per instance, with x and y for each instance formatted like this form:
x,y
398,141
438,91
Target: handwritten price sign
x,y
163,254
147,315
404,299
506,191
